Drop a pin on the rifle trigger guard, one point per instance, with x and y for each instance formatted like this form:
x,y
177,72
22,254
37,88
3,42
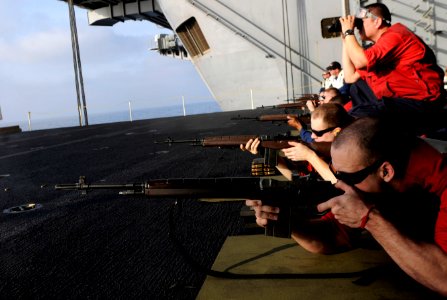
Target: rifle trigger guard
x,y
261,185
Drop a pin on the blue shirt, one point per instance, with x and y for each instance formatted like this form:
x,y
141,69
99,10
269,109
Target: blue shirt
x,y
306,136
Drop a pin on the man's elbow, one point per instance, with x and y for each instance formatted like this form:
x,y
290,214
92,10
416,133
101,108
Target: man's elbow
x,y
440,287
360,63
350,79
316,247
441,290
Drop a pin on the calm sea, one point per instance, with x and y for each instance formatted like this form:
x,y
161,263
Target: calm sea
x,y
140,114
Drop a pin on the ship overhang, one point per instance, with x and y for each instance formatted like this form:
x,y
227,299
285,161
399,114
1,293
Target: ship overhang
x,y
110,12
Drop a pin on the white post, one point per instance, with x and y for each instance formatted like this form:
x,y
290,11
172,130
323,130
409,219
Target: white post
x,y
251,98
184,110
29,121
130,112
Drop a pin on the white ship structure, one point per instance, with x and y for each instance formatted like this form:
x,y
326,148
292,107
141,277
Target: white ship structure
x,y
261,52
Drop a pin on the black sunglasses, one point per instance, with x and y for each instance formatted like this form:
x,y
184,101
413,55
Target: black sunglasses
x,y
356,177
321,132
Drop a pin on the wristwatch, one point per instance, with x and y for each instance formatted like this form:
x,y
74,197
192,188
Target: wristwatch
x,y
348,32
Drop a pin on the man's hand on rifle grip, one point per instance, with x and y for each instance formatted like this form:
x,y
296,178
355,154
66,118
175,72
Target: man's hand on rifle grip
x,y
263,213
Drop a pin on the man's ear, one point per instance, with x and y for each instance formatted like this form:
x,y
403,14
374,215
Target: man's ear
x,y
378,22
336,131
387,171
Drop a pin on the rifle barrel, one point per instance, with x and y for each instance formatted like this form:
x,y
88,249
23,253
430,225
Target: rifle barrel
x,y
221,187
87,186
296,198
194,142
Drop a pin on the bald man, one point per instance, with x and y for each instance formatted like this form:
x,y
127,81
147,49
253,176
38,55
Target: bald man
x,y
396,188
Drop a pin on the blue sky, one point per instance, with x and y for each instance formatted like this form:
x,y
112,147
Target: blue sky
x,y
36,64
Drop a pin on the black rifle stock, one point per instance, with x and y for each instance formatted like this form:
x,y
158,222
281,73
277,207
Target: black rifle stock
x,y
296,199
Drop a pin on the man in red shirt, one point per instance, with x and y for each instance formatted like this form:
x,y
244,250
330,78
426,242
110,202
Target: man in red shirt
x,y
398,74
376,164
379,171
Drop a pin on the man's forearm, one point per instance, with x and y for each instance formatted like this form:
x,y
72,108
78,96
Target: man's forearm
x,y
425,262
319,236
355,52
321,167
348,67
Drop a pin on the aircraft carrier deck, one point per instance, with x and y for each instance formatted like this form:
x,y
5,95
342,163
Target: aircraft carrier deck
x,y
105,245
110,246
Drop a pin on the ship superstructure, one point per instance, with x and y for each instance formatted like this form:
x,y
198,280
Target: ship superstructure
x,y
261,52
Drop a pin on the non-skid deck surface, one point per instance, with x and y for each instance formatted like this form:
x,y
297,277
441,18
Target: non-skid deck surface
x,y
258,254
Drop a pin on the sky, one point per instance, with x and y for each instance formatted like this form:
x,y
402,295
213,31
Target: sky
x,y
36,64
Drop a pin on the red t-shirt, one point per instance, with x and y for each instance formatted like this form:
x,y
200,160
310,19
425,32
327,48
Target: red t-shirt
x,y
348,106
427,169
401,65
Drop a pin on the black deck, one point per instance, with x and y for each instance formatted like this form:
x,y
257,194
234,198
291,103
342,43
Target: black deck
x,y
104,245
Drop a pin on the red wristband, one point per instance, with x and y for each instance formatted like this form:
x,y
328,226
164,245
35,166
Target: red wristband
x,y
365,218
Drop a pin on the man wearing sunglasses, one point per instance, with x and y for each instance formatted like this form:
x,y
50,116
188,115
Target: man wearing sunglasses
x,y
395,187
370,159
326,122
397,75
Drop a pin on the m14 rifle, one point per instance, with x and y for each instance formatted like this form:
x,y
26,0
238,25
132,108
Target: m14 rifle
x,y
276,142
291,105
297,103
296,199
304,119
279,141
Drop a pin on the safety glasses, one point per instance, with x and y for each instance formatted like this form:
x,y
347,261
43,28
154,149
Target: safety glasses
x,y
321,132
363,13
355,177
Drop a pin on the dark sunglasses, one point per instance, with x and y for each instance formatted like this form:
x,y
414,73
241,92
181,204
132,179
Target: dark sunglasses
x,y
321,132
356,177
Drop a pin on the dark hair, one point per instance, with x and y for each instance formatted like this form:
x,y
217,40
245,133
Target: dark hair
x,y
334,65
378,140
334,115
381,11
339,99
332,89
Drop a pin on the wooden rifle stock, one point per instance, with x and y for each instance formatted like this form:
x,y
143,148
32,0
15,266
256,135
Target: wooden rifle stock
x,y
321,148
268,142
300,105
305,119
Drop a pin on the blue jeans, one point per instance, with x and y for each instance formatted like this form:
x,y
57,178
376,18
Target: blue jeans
x,y
419,116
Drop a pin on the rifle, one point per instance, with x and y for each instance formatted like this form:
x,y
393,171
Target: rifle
x,y
305,119
276,142
297,198
293,105
299,103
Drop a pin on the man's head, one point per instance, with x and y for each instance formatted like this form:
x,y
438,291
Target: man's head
x,y
376,19
339,99
334,68
369,154
327,120
328,94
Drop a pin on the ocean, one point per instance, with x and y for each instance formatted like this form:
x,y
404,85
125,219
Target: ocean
x,y
119,116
